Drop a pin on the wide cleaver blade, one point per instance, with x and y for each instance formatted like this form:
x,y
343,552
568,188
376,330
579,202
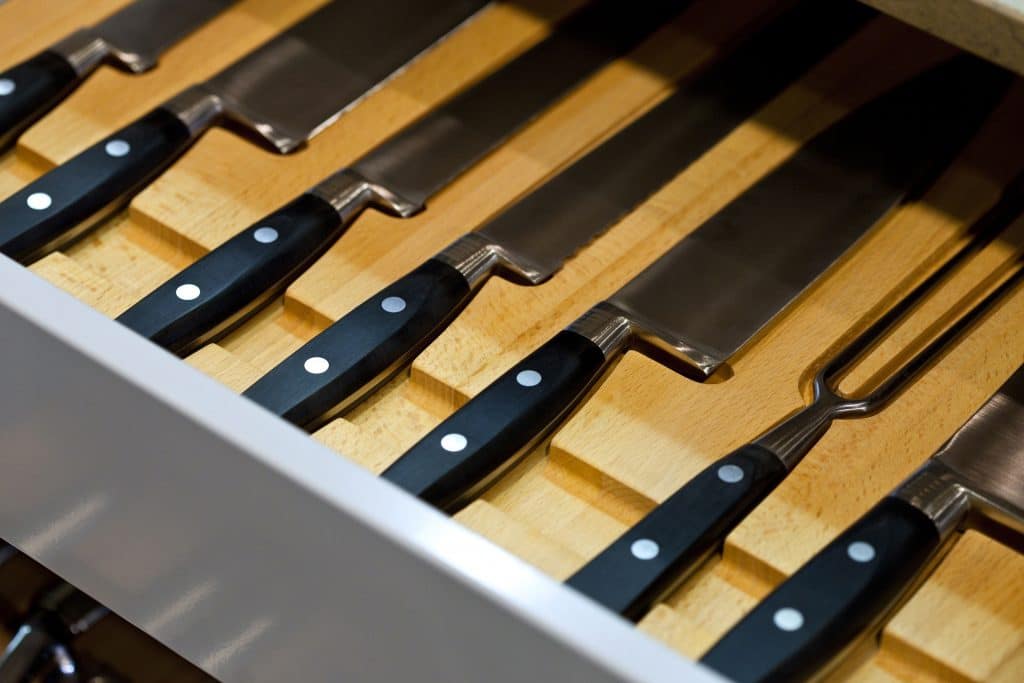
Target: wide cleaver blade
x,y
718,288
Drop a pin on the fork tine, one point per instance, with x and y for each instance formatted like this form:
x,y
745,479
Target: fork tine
x,y
1005,211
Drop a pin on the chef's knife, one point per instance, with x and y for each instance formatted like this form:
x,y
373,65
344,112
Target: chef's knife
x,y
132,39
530,241
230,283
848,590
285,91
664,548
715,290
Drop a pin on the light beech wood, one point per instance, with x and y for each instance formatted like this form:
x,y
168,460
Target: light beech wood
x,y
647,430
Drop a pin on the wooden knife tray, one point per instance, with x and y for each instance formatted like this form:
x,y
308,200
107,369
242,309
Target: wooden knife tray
x,y
293,556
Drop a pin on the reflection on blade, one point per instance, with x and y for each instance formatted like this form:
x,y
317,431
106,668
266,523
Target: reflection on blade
x,y
988,451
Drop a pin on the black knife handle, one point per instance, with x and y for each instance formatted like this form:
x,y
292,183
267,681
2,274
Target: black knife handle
x,y
511,415
663,548
31,89
77,194
843,592
233,281
365,347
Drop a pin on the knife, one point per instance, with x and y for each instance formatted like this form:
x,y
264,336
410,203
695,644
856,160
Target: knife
x,y
284,92
223,288
664,548
848,590
132,39
715,290
530,241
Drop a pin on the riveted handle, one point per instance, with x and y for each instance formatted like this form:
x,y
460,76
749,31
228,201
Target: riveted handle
x,y
31,89
73,197
843,592
507,418
663,548
233,281
364,348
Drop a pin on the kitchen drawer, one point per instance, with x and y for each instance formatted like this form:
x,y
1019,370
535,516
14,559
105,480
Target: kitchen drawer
x,y
259,553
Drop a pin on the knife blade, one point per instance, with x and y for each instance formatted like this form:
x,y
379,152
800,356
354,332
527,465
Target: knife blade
x,y
284,92
531,240
132,39
399,175
715,290
870,569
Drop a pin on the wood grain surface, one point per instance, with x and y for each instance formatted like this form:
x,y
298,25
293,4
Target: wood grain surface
x,y
647,429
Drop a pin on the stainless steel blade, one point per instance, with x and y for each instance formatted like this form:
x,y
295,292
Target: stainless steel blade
x,y
715,290
299,82
987,453
428,154
145,29
135,36
550,224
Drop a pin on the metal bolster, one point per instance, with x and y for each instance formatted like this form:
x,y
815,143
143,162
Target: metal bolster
x,y
674,351
792,438
197,108
607,326
349,192
85,50
937,492
477,258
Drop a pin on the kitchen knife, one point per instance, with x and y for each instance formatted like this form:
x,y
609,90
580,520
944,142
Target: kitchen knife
x,y
715,290
233,281
848,590
664,548
530,241
132,39
285,92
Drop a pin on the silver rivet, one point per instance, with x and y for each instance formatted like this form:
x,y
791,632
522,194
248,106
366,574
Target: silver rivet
x,y
316,365
393,304
6,86
862,552
453,443
788,619
187,292
730,474
644,549
39,201
265,235
528,378
117,148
